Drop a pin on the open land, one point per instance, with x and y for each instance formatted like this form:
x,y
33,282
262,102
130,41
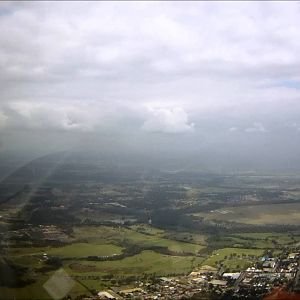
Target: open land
x,y
111,229
282,213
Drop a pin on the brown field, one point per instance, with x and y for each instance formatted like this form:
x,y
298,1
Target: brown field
x,y
257,214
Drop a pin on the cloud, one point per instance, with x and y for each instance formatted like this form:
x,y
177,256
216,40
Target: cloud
x,y
232,129
127,69
3,120
167,38
167,120
47,116
257,127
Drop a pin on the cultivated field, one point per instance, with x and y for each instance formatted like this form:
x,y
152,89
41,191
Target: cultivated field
x,y
257,214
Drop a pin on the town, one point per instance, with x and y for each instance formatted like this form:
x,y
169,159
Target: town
x,y
268,274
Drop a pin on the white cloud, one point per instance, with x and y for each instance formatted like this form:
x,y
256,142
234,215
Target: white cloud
x,y
56,116
232,129
168,120
257,127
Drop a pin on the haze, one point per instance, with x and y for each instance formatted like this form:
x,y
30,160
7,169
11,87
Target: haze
x,y
212,84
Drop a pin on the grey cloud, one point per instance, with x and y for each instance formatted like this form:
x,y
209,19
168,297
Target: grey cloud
x,y
3,119
203,71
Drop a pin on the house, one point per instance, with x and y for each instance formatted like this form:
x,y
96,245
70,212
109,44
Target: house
x,y
231,275
109,294
293,255
219,282
269,265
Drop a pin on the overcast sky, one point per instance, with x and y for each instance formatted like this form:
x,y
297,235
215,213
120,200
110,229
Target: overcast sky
x,y
217,80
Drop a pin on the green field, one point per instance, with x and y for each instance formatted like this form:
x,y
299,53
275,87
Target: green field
x,y
105,241
269,240
72,250
121,236
108,240
259,240
145,262
85,249
233,259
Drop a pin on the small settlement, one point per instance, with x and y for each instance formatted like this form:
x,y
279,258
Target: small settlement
x,y
255,282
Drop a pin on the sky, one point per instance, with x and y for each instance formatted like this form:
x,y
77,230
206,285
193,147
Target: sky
x,y
215,83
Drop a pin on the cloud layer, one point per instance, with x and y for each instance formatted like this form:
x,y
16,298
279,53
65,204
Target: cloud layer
x,y
197,70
